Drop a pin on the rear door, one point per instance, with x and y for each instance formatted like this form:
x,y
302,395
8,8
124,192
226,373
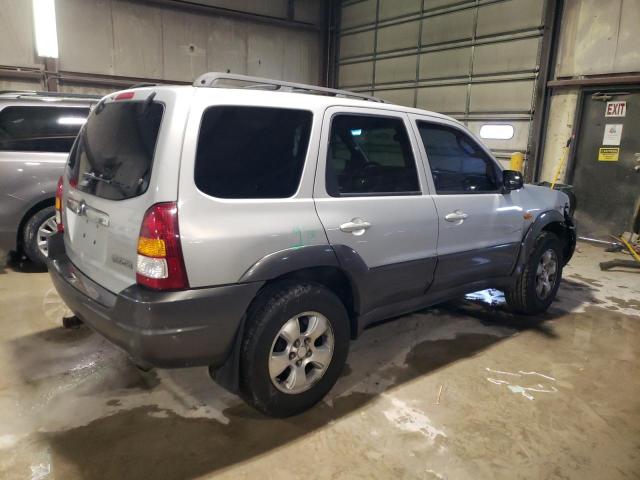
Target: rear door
x,y
480,227
374,203
126,158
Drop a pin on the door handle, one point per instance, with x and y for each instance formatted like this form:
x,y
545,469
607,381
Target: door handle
x,y
357,226
456,216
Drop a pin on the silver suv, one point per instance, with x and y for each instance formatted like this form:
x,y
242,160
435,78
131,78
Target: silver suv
x,y
37,130
257,230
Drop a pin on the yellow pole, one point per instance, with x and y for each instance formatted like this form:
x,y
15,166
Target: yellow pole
x,y
517,160
563,159
631,249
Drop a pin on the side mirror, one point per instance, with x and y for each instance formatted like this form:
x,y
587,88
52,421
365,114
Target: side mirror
x,y
511,180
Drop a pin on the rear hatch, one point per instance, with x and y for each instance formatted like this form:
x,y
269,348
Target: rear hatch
x,y
125,159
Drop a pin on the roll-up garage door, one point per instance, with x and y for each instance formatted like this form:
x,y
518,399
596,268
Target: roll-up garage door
x,y
477,61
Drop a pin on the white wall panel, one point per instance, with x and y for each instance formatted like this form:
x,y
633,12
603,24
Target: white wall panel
x,y
226,45
16,34
184,45
137,40
599,38
148,41
85,36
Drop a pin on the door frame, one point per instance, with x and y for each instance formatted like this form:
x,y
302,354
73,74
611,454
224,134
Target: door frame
x,y
570,168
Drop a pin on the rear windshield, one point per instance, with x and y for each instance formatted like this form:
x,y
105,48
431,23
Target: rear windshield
x,y
251,152
40,129
113,155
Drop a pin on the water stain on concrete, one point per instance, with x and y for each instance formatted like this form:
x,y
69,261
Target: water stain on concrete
x,y
590,281
64,335
630,304
150,442
432,355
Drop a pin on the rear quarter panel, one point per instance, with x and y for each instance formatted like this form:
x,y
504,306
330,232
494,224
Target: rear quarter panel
x,y
223,238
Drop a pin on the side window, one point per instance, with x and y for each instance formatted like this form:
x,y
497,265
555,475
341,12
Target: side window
x,y
370,155
40,129
251,152
458,164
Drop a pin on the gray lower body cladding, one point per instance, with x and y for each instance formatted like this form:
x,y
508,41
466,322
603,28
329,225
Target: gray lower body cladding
x,y
164,329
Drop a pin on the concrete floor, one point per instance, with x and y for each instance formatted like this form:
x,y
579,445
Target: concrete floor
x,y
462,391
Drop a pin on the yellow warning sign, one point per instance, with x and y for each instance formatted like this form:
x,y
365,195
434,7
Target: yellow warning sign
x,y
608,154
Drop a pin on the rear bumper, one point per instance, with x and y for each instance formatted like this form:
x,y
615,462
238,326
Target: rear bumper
x,y
164,329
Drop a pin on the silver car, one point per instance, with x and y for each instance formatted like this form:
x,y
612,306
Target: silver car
x,y
37,130
257,230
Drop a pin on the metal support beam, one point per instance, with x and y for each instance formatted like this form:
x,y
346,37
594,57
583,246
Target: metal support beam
x,y
228,12
330,43
21,73
595,81
116,81
550,36
51,74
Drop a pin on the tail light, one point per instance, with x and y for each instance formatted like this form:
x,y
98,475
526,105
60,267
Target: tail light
x,y
59,205
160,263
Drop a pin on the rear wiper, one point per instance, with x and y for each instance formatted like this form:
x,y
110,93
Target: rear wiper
x,y
100,106
110,181
93,176
148,102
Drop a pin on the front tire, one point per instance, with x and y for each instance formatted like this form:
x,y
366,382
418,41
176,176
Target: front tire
x,y
37,231
294,348
536,287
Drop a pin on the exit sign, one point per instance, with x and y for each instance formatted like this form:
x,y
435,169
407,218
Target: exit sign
x,y
616,109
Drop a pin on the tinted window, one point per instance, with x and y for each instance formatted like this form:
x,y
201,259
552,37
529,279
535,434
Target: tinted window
x,y
458,164
251,152
370,155
40,129
113,155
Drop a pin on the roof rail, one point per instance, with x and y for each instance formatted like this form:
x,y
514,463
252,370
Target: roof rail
x,y
210,79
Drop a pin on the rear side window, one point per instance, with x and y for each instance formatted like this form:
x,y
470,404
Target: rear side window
x,y
370,155
40,129
251,152
458,164
113,155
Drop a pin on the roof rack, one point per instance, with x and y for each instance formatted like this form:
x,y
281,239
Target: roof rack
x,y
33,93
210,79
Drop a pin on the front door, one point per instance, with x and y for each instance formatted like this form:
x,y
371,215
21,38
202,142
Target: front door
x,y
606,174
480,227
373,201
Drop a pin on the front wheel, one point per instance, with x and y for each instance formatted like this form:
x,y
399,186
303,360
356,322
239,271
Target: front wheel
x,y
536,287
295,346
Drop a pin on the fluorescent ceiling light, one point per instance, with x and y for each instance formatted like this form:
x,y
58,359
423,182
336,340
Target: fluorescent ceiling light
x,y
497,131
44,23
72,120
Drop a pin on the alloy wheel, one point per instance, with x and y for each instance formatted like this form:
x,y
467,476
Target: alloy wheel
x,y
301,352
46,229
546,273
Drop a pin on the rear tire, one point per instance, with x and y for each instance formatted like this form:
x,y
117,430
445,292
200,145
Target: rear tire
x,y
36,231
536,287
294,348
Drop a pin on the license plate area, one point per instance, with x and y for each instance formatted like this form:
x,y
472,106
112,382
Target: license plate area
x,y
88,231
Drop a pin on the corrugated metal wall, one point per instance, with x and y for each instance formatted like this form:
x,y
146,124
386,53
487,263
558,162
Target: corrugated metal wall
x,y
476,60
